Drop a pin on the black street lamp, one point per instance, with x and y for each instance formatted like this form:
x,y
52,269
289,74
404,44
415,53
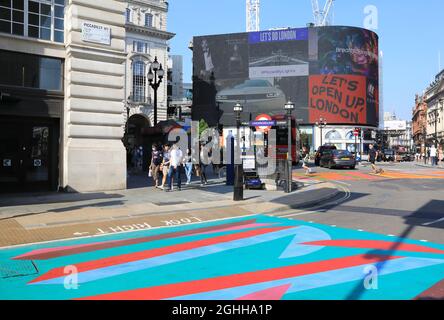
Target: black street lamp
x,y
321,124
155,79
238,192
289,107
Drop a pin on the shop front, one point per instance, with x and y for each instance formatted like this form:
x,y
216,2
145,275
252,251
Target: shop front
x,y
31,104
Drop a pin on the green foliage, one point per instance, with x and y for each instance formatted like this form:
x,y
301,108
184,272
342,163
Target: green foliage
x,y
202,126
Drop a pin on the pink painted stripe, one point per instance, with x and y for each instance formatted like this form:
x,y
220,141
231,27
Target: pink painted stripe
x,y
375,244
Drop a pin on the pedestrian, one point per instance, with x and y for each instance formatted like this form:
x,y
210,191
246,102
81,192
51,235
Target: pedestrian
x,y
204,160
306,161
428,154
433,155
372,156
140,158
176,158
165,167
156,161
188,164
440,155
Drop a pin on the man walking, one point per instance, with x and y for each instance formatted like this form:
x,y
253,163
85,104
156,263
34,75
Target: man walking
x,y
372,156
176,158
433,155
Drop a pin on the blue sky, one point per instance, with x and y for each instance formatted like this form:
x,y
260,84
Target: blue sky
x,y
411,35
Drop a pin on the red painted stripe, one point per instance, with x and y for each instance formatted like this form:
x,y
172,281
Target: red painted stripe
x,y
237,280
271,294
374,244
130,257
44,254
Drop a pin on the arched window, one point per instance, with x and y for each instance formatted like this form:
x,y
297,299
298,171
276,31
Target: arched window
x,y
333,135
350,136
139,81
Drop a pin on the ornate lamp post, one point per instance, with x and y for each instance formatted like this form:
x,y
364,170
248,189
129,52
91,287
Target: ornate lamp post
x,y
321,124
155,76
238,168
289,107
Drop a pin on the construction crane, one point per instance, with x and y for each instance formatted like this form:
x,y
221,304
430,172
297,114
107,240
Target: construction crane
x,y
321,16
253,15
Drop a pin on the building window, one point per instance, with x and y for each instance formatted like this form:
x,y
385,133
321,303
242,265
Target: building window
x,y
12,17
128,15
148,20
140,47
139,81
30,71
45,18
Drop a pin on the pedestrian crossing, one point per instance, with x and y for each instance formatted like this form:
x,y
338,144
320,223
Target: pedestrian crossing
x,y
353,175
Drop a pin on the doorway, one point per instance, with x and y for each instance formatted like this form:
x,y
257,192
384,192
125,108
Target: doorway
x,y
28,154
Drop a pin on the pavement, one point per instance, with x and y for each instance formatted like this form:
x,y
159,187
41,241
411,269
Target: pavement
x,y
30,218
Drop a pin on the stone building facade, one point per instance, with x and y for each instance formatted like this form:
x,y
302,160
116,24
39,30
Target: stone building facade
x,y
434,97
419,124
65,86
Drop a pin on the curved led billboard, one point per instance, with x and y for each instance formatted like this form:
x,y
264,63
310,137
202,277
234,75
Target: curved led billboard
x,y
329,72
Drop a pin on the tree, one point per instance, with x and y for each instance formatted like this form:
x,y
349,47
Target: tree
x,y
202,126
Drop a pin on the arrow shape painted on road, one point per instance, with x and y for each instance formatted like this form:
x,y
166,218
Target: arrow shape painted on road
x,y
305,234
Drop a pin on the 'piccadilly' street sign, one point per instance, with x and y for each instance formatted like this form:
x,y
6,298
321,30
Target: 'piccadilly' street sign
x,y
92,32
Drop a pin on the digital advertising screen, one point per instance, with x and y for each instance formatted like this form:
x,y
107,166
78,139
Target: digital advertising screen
x,y
329,72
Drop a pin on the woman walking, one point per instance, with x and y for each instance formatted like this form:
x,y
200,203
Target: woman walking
x,y
165,165
156,161
188,164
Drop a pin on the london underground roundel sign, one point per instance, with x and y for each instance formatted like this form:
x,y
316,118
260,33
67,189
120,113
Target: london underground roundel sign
x,y
264,118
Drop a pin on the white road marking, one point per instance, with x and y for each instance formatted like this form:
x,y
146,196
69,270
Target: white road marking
x,y
79,234
433,222
318,209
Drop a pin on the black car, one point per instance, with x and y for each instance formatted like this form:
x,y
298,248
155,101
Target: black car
x,y
407,157
338,159
321,152
389,155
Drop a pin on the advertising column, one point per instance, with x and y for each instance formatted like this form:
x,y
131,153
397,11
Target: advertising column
x,y
93,154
